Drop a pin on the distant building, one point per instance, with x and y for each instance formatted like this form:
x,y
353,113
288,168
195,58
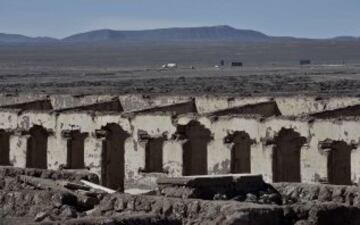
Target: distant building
x,y
236,64
305,62
169,65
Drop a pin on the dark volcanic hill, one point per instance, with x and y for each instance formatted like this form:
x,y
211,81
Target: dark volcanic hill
x,y
17,38
214,33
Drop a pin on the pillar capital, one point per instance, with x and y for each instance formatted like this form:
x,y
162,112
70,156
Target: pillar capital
x,y
267,141
66,134
101,133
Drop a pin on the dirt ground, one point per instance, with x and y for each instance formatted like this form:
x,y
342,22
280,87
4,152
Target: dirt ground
x,y
322,81
271,69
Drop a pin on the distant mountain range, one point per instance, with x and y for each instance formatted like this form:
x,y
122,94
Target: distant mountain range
x,y
172,34
213,33
17,38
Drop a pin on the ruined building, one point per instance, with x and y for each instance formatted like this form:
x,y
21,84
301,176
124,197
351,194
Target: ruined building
x,y
130,140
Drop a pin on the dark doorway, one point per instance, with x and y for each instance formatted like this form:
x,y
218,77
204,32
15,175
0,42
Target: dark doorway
x,y
286,156
240,152
154,155
75,150
4,148
195,148
339,163
113,157
36,156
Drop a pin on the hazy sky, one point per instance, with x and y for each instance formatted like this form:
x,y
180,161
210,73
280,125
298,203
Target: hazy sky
x,y
301,18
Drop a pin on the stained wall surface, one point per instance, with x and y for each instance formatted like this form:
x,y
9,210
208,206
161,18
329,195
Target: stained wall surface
x,y
267,145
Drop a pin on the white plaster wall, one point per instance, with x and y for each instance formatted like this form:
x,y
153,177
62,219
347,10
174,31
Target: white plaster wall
x,y
290,106
187,118
298,105
139,102
269,129
30,118
56,151
350,131
134,160
18,146
154,125
133,102
16,99
313,162
92,154
69,101
355,165
219,154
8,120
341,102
173,158
207,104
25,122
178,148
75,121
347,131
105,119
168,100
261,161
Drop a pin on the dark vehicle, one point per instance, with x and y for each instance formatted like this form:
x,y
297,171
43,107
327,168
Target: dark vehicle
x,y
236,64
305,62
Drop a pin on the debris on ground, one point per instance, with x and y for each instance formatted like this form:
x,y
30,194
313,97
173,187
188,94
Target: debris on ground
x,y
46,197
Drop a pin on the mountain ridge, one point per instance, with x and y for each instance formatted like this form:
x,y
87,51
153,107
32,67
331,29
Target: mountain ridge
x,y
204,33
18,38
171,34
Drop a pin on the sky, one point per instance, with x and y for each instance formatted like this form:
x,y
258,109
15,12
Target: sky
x,y
300,18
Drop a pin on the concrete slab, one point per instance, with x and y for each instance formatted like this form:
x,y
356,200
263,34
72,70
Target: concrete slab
x,y
211,186
211,180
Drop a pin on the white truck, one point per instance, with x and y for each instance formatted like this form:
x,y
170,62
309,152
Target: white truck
x,y
169,65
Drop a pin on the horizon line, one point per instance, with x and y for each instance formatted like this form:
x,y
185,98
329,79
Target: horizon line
x,y
180,27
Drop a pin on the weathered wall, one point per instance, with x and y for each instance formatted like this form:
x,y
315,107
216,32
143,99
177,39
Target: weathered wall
x,y
207,104
265,109
70,101
313,161
21,98
293,105
140,102
298,105
138,129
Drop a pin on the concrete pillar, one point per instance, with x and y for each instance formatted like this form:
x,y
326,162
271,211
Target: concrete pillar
x,y
219,156
56,151
355,165
172,158
134,161
92,153
313,163
18,148
261,160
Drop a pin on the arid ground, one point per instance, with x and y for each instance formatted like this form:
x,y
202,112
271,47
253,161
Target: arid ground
x,y
119,68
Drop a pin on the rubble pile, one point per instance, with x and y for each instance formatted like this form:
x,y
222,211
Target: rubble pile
x,y
45,194
34,196
242,187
